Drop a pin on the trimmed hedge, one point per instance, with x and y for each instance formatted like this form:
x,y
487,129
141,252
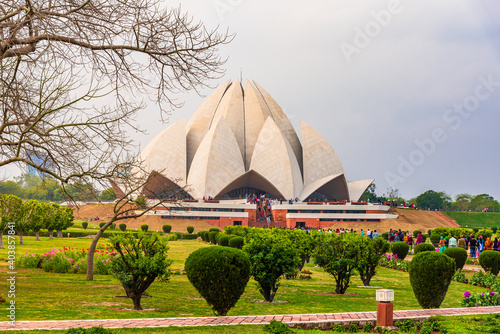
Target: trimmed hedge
x,y
224,240
190,229
430,277
122,227
458,254
435,237
220,274
84,225
490,261
166,228
236,242
186,236
101,225
214,229
144,227
400,248
423,248
204,236
212,237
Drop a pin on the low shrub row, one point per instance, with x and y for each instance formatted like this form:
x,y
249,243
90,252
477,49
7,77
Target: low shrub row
x,y
223,239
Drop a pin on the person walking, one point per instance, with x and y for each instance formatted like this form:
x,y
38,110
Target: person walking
x,y
452,242
461,242
472,246
480,245
420,239
442,245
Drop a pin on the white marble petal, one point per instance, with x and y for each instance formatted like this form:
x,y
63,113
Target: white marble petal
x,y
357,188
274,159
217,162
199,124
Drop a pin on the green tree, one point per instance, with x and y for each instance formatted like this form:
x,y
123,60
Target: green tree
x,y
479,202
271,256
339,256
49,218
33,211
108,195
142,260
12,188
371,251
462,201
431,200
11,210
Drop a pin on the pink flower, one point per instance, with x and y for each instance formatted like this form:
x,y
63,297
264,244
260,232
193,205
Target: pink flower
x,y
466,294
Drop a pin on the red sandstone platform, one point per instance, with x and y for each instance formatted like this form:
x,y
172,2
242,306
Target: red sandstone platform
x,y
293,320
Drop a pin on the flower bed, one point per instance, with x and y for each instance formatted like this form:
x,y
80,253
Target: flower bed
x,y
68,260
391,261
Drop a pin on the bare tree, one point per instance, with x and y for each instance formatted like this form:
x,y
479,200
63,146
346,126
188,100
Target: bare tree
x,y
135,181
74,74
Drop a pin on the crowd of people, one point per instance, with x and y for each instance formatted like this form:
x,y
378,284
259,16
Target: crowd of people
x,y
470,243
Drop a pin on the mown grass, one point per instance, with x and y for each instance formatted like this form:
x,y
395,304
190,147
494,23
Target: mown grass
x,y
475,219
50,296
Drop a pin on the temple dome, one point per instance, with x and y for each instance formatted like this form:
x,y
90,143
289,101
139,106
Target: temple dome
x,y
239,141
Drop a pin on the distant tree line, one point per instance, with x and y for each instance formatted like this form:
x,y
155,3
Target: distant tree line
x,y
46,188
436,200
32,215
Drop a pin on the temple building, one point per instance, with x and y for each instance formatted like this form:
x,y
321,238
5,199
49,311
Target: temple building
x,y
240,143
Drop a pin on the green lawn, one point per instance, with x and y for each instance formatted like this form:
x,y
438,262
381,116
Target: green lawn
x,y
50,296
475,219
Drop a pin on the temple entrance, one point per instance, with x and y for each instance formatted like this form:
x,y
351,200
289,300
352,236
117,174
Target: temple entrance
x,y
300,224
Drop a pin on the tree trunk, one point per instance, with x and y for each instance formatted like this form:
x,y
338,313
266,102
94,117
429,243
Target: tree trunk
x,y
51,234
367,276
37,234
137,302
21,241
93,246
59,233
1,240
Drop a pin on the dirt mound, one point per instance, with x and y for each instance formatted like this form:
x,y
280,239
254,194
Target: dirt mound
x,y
408,220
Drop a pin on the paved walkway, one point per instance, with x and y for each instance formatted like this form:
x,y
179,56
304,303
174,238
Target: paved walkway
x,y
322,321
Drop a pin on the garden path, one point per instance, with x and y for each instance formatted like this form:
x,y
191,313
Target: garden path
x,y
324,320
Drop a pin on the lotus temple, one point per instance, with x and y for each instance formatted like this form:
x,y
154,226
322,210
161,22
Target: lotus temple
x,y
240,143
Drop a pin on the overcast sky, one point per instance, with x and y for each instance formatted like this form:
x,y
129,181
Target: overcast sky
x,y
406,92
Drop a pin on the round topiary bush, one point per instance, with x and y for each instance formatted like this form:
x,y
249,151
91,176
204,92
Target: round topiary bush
x,y
190,229
423,248
416,233
84,225
166,228
490,261
435,239
144,227
113,226
236,242
213,229
385,235
101,225
220,275
400,248
122,227
204,236
430,277
212,237
458,254
224,240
